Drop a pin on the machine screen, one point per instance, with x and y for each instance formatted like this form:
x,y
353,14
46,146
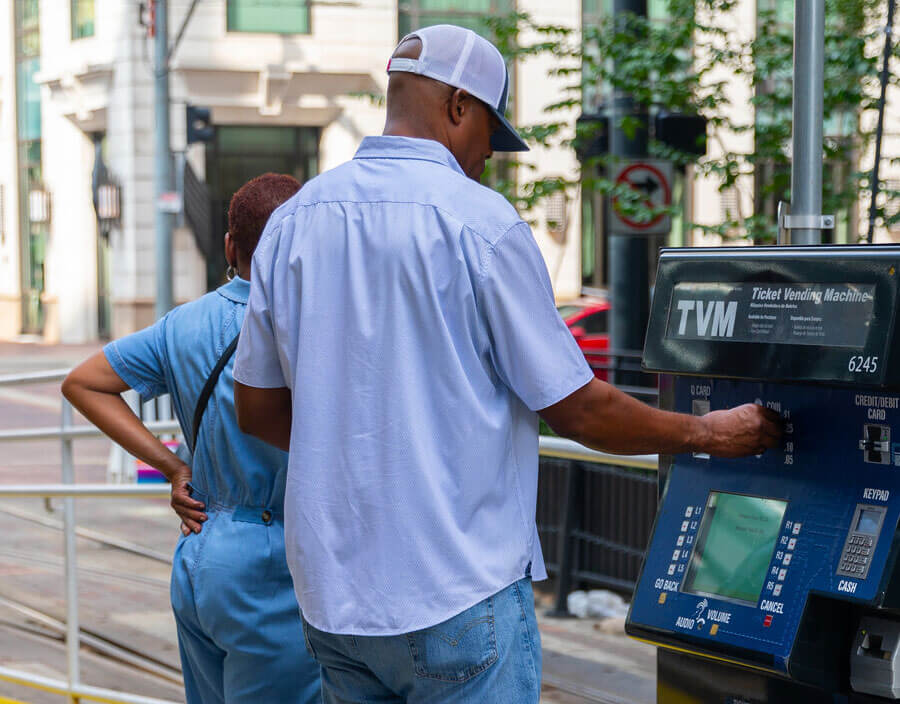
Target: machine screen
x,y
869,521
734,546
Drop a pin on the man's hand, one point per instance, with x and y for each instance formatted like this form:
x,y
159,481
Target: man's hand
x,y
189,510
600,416
746,430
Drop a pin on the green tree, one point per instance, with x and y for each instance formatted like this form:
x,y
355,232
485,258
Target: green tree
x,y
677,65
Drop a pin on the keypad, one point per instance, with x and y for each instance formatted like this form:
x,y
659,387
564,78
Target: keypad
x,y
859,547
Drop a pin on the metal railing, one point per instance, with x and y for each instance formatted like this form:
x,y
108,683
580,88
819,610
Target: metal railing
x,y
66,433
622,368
551,448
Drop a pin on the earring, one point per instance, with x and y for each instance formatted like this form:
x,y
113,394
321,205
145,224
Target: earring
x,y
230,272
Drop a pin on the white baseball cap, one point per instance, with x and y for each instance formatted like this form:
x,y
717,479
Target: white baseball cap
x,y
461,58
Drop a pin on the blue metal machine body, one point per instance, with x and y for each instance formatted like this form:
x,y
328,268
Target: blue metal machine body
x,y
820,473
750,557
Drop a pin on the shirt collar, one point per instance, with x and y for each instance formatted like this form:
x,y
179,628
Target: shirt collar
x,y
237,290
390,147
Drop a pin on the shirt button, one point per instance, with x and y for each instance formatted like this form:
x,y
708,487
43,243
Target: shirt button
x,y
267,516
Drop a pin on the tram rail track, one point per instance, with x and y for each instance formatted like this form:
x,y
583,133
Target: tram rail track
x,y
52,628
58,564
45,625
90,534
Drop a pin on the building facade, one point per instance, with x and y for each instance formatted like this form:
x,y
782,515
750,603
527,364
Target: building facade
x,y
288,84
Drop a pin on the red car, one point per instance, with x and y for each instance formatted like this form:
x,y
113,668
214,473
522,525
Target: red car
x,y
588,321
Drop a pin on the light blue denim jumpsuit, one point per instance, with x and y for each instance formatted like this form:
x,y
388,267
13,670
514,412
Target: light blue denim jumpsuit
x,y
239,629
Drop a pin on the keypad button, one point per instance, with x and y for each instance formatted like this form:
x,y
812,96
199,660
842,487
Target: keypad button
x,y
776,590
787,559
680,540
792,543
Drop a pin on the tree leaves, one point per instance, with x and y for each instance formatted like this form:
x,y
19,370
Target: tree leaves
x,y
691,63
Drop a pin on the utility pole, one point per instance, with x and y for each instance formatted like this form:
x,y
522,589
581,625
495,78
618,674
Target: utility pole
x,y
163,176
806,167
879,129
629,282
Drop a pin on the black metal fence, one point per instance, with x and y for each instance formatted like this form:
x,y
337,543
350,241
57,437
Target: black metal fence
x,y
595,519
623,369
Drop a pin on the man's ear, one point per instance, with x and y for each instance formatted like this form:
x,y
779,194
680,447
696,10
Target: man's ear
x,y
458,105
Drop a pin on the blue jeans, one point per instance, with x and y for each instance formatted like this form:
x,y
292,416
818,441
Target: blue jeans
x,y
488,654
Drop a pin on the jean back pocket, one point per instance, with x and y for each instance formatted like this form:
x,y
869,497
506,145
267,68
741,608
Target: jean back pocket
x,y
457,649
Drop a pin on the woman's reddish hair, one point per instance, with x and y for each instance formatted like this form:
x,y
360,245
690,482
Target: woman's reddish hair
x,y
252,205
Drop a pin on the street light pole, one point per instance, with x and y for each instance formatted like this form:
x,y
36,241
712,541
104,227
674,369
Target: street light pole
x,y
879,129
806,169
163,176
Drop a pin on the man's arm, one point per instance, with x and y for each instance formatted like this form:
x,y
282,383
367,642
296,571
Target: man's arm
x,y
602,417
264,413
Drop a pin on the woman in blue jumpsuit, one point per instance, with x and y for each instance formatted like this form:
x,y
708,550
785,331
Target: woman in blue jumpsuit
x,y
239,629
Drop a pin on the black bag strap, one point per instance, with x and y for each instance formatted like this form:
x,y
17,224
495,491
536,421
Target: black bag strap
x,y
209,386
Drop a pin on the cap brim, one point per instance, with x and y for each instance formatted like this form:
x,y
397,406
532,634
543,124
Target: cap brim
x,y
505,137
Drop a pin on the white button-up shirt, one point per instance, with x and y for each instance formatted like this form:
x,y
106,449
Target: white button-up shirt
x,y
410,312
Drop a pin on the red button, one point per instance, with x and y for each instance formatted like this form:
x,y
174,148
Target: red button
x,y
767,621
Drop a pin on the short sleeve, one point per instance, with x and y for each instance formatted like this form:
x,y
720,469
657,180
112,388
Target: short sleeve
x,y
533,351
256,361
140,360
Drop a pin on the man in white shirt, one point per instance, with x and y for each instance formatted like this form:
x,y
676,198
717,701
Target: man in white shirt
x,y
401,340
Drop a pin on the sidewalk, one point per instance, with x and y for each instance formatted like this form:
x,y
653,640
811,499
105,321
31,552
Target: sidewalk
x,y
23,357
594,660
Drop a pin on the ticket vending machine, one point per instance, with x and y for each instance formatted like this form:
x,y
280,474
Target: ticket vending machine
x,y
775,578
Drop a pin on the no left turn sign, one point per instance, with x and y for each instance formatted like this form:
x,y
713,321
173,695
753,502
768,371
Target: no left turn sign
x,y
652,181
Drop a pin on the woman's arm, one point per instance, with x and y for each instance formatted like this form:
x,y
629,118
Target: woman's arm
x,y
94,389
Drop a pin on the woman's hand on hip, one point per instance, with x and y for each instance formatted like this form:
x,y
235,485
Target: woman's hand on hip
x,y
189,510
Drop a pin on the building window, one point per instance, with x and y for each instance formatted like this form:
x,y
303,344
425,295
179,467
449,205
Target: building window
x,y
269,16
413,14
33,234
82,14
241,152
